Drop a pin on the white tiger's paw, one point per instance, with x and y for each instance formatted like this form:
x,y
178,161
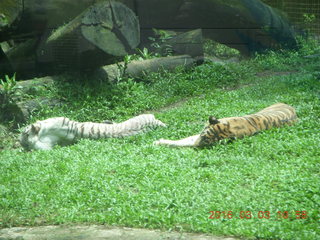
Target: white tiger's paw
x,y
161,141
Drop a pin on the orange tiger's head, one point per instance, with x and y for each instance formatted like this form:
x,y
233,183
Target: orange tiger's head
x,y
214,132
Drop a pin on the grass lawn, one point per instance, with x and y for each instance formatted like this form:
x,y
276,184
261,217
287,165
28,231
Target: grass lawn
x,y
266,185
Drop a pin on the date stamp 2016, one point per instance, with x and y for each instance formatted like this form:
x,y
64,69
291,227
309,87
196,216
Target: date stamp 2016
x,y
279,215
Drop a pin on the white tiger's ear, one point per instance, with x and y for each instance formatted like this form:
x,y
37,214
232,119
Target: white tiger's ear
x,y
35,129
213,120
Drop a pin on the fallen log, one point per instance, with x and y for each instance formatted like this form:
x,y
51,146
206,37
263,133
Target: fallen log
x,y
136,69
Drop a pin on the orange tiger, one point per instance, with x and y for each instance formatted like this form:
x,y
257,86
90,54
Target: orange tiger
x,y
276,115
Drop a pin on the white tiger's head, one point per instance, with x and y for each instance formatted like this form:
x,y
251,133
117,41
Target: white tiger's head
x,y
30,136
45,134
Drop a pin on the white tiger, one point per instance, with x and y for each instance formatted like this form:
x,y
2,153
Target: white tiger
x,y
45,134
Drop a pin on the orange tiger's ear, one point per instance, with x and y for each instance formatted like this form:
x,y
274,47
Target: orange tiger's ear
x,y
213,120
35,129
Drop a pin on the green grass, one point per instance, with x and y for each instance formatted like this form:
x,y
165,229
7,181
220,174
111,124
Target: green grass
x,y
129,182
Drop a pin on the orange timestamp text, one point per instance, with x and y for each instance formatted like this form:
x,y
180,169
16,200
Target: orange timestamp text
x,y
258,215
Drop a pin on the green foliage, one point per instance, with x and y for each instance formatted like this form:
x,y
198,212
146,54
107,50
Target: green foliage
x,y
145,54
8,86
129,182
142,55
7,92
309,18
289,60
219,50
3,20
159,42
122,67
308,46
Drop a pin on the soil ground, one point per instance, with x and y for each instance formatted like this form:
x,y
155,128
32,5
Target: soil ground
x,y
96,232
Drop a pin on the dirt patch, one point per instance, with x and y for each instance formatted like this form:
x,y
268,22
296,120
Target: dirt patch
x,y
261,75
177,104
273,73
173,105
95,232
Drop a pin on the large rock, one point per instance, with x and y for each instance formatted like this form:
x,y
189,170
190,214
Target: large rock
x,y
247,25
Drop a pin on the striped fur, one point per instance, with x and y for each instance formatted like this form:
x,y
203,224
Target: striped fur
x,y
63,131
276,115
